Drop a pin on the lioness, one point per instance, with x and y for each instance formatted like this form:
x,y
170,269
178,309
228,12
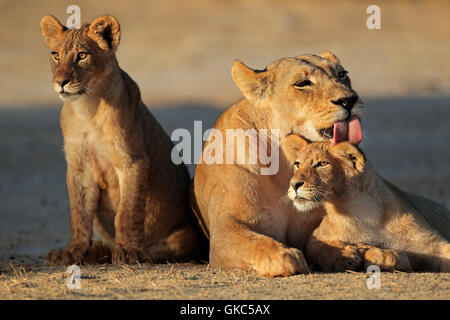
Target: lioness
x,y
249,220
121,181
368,220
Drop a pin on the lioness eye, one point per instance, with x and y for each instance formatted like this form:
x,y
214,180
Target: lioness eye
x,y
55,55
297,164
342,75
322,164
303,83
82,55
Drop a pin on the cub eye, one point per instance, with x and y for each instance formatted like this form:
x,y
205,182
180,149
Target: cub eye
x,y
297,164
322,164
55,55
342,75
82,55
303,83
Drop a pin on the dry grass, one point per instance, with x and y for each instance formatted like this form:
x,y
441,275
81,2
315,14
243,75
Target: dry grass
x,y
196,281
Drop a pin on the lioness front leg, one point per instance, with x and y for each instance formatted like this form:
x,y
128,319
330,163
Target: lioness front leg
x,y
130,216
234,245
83,198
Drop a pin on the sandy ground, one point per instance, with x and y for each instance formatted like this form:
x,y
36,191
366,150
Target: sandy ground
x,y
186,281
180,54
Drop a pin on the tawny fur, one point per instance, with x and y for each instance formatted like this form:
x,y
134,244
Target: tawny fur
x,y
368,220
121,181
250,222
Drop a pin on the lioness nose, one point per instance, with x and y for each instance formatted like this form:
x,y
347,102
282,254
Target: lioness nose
x,y
297,185
62,82
347,103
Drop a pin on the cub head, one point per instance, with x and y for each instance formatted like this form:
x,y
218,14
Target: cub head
x,y
309,95
322,171
81,58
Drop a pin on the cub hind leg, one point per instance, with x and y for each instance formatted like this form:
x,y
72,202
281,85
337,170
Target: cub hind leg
x,y
438,261
427,249
181,245
98,253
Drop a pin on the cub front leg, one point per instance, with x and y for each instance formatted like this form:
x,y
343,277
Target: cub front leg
x,y
327,250
234,245
130,216
332,256
83,198
386,259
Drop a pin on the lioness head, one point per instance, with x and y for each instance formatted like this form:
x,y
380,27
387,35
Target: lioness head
x,y
322,170
81,58
310,95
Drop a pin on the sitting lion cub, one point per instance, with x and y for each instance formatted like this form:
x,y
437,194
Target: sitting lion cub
x,y
368,220
121,181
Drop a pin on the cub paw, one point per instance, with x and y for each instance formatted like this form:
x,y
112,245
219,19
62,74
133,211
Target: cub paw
x,y
72,255
386,259
283,263
98,253
348,259
122,255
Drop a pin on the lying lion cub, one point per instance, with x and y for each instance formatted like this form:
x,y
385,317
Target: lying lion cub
x,y
368,220
121,181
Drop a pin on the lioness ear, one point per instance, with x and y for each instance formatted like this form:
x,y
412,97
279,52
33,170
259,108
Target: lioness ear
x,y
52,30
350,153
292,145
254,84
105,30
329,55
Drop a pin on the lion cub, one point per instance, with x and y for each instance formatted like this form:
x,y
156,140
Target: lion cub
x,y
121,181
368,220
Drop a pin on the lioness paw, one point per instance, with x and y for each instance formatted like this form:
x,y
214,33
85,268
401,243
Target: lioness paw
x,y
122,255
283,263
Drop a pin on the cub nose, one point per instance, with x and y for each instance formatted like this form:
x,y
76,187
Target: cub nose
x,y
297,185
62,82
347,103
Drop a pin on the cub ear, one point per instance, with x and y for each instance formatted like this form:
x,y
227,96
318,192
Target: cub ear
x,y
292,145
329,56
105,30
52,30
349,153
254,84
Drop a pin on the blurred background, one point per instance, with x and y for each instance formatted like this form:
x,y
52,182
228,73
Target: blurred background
x,y
180,53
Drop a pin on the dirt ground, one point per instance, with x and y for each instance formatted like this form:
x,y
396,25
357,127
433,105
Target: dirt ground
x,y
180,53
187,281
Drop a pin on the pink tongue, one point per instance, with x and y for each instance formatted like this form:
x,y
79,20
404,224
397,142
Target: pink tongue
x,y
348,130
